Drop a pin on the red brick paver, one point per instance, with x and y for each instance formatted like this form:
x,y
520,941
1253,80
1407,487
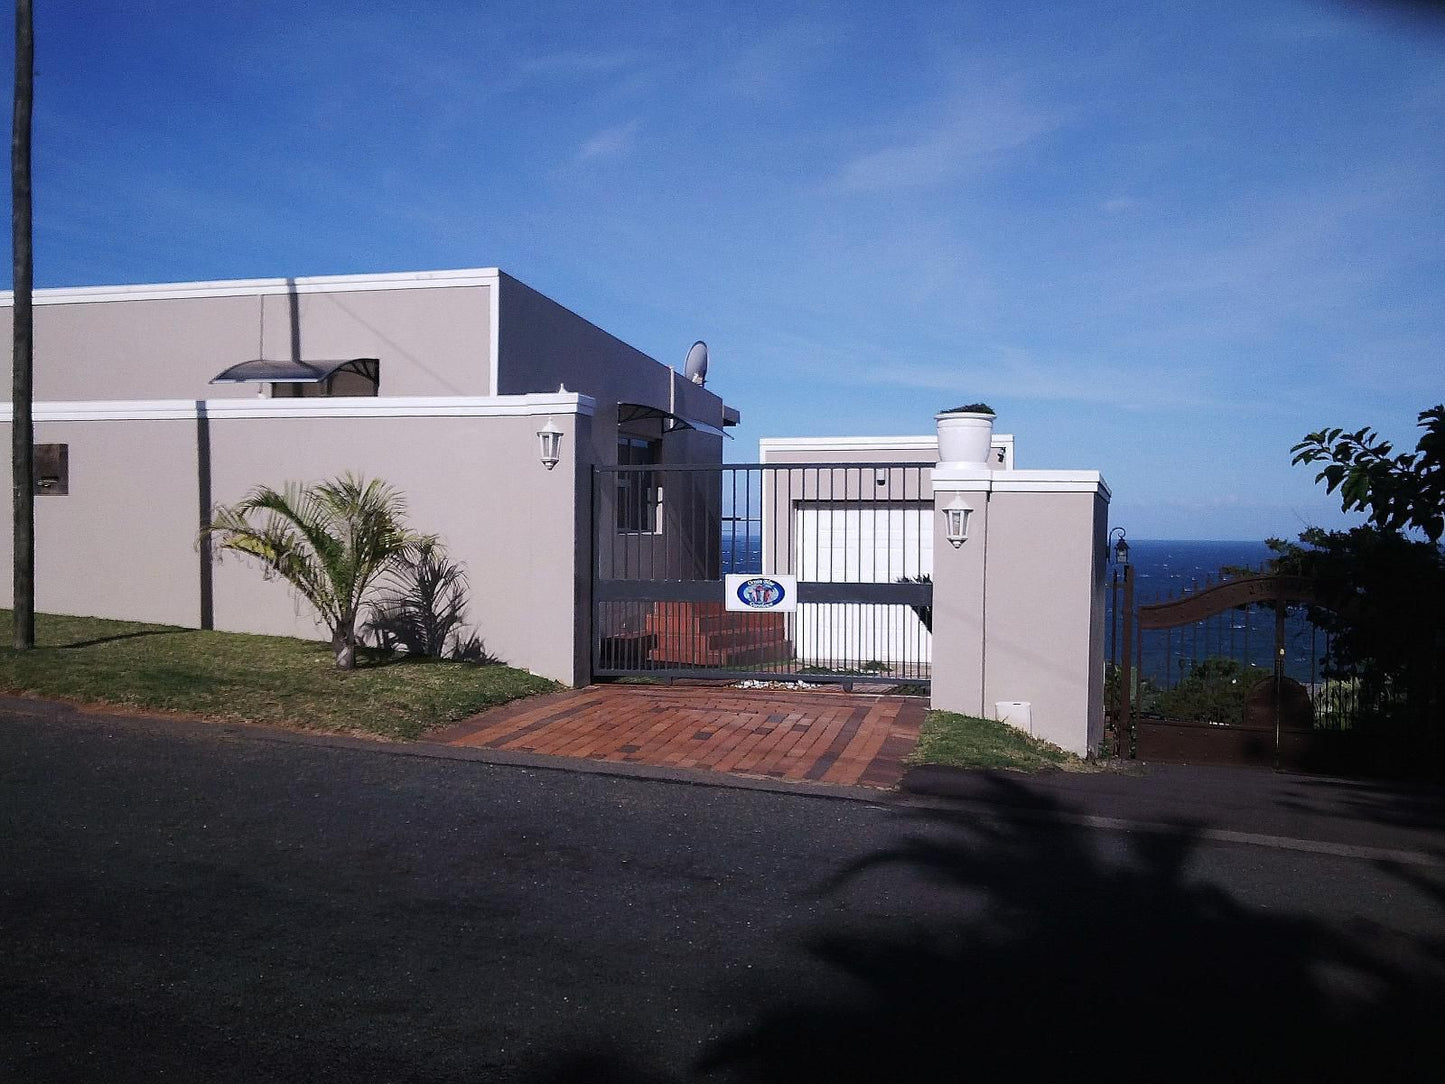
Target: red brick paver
x,y
799,735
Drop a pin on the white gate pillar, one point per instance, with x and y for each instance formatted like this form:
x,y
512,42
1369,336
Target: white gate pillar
x,y
1018,605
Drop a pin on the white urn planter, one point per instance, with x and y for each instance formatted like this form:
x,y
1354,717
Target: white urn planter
x,y
964,436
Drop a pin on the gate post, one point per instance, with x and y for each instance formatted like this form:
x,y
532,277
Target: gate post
x,y
959,596
1018,604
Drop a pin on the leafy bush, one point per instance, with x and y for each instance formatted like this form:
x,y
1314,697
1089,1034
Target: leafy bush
x,y
1213,691
1381,600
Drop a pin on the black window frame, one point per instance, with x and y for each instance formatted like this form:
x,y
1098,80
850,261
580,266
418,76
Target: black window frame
x,y
639,495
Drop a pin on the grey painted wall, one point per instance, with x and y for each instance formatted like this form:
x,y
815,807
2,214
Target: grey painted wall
x,y
1018,611
433,341
1044,612
542,344
123,543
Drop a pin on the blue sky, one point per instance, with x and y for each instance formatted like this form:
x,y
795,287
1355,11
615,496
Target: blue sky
x,y
1163,240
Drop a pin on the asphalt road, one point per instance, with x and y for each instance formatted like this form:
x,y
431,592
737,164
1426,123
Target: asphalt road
x,y
194,902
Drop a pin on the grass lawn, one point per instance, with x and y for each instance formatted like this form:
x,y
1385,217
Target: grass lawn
x,y
264,679
963,741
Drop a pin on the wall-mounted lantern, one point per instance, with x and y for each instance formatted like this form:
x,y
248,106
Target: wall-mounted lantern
x,y
1119,547
955,516
549,438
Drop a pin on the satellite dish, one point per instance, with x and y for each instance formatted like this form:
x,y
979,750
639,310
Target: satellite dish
x,y
696,368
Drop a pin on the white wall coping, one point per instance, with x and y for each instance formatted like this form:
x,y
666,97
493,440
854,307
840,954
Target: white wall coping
x,y
451,406
928,444
828,444
969,478
315,284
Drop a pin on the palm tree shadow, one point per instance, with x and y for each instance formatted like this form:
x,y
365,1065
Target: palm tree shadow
x,y
1029,945
1066,957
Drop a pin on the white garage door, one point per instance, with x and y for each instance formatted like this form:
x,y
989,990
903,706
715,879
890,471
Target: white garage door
x,y
851,542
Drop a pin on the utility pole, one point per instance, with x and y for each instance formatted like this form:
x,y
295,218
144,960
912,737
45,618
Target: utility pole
x,y
22,429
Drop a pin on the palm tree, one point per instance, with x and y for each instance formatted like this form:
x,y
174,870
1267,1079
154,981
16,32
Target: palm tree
x,y
331,541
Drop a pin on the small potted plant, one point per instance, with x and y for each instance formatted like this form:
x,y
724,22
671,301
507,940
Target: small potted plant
x,y
965,433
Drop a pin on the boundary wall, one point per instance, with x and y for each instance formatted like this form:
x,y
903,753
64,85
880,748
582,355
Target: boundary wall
x,y
143,476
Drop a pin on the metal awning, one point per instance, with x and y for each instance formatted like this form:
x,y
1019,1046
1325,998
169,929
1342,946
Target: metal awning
x,y
636,412
269,371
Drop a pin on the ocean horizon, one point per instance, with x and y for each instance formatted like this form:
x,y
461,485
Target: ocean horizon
x,y
1166,568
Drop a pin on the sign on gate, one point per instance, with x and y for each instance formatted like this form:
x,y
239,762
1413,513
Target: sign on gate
x,y
748,593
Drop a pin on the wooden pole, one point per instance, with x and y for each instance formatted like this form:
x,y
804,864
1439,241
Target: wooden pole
x,y
22,429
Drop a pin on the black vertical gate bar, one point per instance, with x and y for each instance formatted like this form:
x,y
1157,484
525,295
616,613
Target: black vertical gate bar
x,y
1114,619
1279,608
834,647
1193,646
1168,657
1315,689
1248,623
1124,726
814,615
1139,668
594,604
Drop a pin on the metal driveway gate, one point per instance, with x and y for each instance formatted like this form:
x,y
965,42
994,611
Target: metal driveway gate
x,y
858,537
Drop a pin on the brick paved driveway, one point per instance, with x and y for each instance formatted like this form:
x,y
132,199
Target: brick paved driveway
x,y
797,735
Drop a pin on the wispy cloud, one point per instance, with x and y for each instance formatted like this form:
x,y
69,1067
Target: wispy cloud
x,y
997,371
982,127
576,64
608,142
783,57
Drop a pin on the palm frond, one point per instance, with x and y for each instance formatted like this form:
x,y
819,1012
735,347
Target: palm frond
x,y
331,541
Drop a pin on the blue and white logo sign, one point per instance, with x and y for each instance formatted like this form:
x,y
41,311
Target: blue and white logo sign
x,y
752,592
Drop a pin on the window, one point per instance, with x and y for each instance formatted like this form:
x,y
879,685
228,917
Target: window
x,y
638,494
307,379
361,376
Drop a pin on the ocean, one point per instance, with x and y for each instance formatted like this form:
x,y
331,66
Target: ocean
x,y
1167,568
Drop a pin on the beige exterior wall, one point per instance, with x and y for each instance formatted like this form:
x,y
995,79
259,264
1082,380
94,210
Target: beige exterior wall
x,y
168,341
127,364
1044,612
1018,609
542,345
123,542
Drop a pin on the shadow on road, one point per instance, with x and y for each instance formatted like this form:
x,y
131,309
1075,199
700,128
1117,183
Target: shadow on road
x,y
1070,949
1401,805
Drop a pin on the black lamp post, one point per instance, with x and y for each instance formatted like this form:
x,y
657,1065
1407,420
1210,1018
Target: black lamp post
x,y
1123,722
